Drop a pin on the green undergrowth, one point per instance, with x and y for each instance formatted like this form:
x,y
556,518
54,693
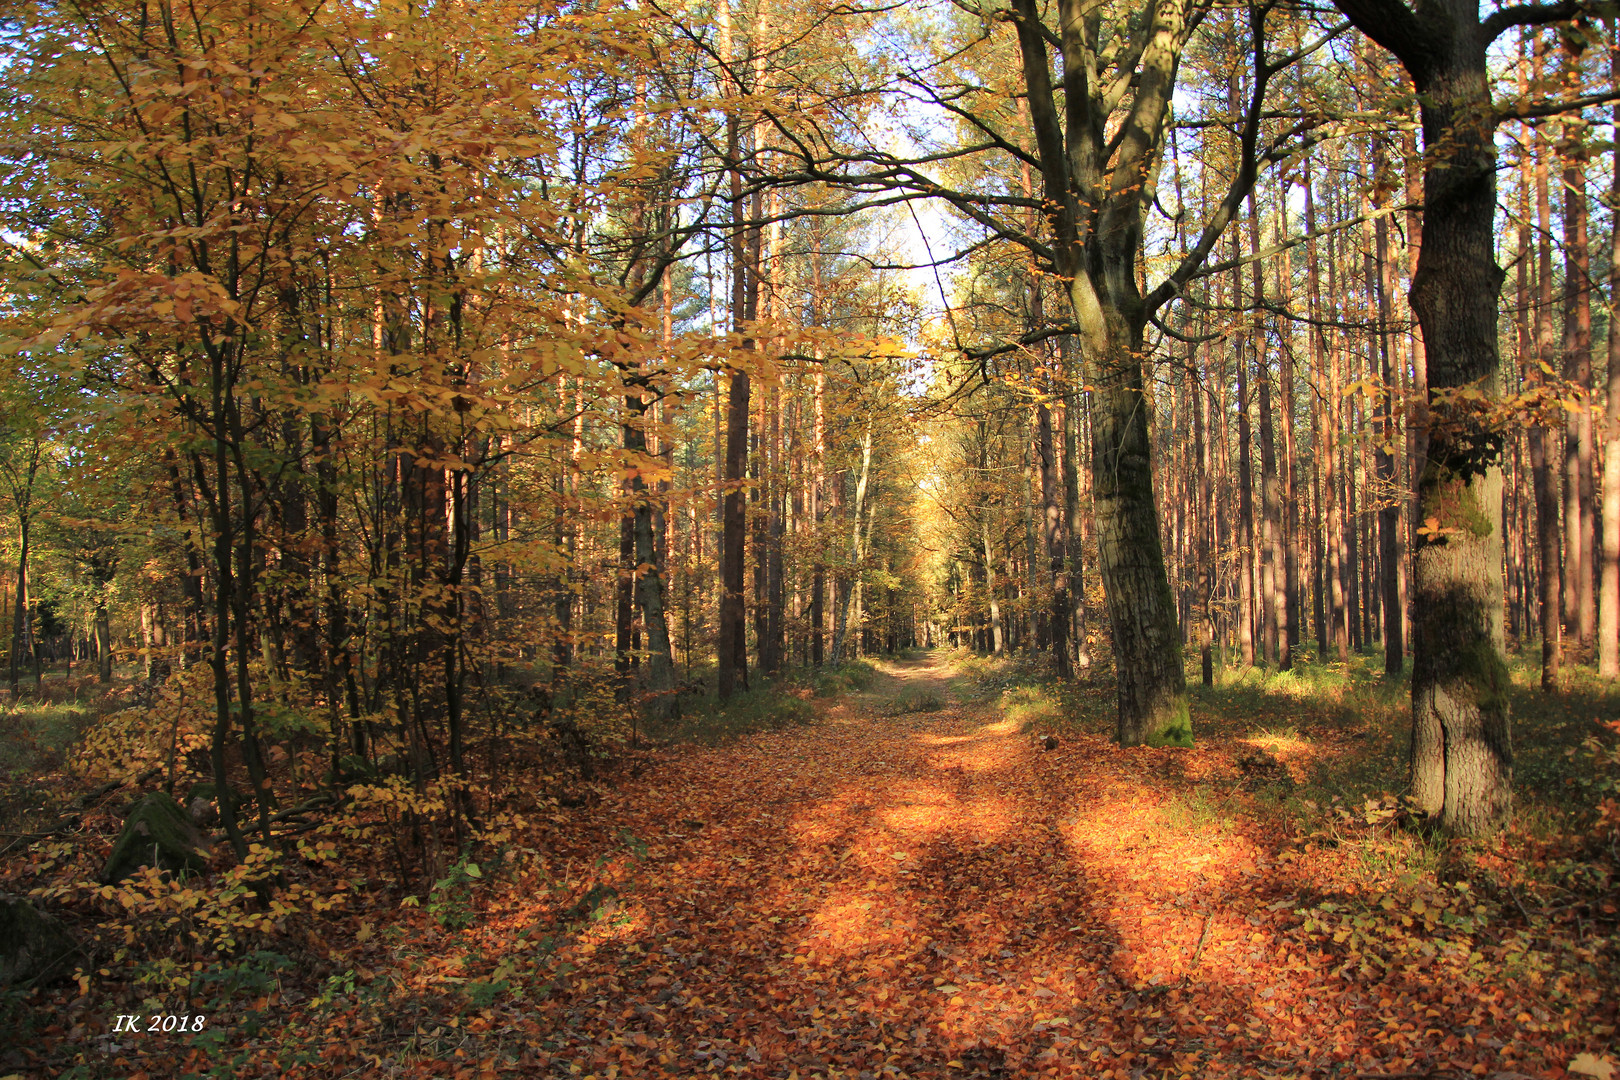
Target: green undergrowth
x,y
912,701
1338,725
34,734
1343,728
1358,725
767,706
850,677
1022,687
36,739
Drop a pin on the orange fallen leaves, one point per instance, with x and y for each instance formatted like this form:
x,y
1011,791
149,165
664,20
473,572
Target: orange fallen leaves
x,y
932,896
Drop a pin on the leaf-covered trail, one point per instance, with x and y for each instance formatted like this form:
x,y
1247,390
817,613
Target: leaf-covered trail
x,y
933,894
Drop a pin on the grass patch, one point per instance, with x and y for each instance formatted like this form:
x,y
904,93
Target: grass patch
x,y
850,677
1023,687
1034,707
1197,813
912,701
35,734
707,721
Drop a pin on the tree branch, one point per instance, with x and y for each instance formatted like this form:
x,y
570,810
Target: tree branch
x,y
1528,15
1530,110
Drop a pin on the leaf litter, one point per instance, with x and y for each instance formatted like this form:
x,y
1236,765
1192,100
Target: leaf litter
x,y
921,894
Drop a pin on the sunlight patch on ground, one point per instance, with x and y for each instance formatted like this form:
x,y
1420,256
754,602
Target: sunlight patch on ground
x,y
949,740
926,895
1294,751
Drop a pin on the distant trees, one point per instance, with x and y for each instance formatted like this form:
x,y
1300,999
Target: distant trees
x,y
403,361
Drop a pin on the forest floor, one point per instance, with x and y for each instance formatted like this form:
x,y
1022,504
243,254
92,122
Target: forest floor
x,y
915,885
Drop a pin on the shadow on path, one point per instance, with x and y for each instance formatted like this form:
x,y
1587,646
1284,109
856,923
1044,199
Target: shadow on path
x,y
933,895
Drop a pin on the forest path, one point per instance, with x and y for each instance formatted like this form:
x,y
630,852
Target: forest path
x,y
931,894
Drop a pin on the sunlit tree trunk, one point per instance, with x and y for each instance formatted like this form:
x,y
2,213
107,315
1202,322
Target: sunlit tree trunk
x,y
1609,604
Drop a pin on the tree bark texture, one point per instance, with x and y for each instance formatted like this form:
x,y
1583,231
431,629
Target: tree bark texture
x,y
1459,679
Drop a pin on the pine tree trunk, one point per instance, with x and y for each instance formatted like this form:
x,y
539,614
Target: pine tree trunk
x,y
1245,479
733,645
1543,442
1052,517
1202,523
1321,511
1389,514
1272,616
1578,368
1609,605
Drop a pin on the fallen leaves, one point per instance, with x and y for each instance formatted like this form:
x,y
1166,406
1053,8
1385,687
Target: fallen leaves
x,y
931,895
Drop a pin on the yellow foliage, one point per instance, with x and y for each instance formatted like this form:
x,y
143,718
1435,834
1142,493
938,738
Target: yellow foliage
x,y
131,741
154,912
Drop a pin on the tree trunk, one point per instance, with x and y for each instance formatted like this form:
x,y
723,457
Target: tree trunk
x,y
1578,368
1459,679
1204,498
1389,514
624,586
1273,612
1073,548
1152,687
849,591
1543,467
733,645
1609,606
996,637
1052,516
104,664
661,700
19,606
1245,479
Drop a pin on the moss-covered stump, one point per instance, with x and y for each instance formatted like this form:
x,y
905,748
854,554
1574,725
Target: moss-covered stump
x,y
156,833
33,946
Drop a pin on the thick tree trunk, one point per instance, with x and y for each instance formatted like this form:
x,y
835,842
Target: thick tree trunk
x,y
1152,687
1459,679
